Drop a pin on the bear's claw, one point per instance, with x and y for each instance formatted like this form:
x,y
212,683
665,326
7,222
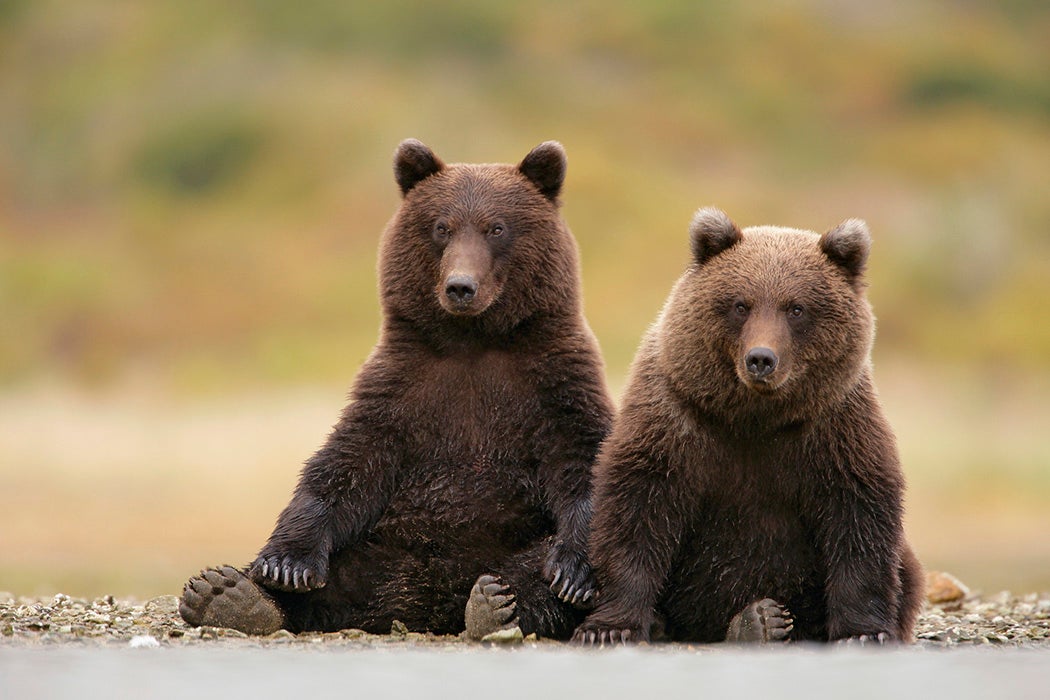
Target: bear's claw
x,y
573,573
288,573
877,639
763,621
225,597
592,635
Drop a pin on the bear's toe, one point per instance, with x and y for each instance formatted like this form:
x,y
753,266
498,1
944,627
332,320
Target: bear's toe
x,y
225,597
491,607
763,621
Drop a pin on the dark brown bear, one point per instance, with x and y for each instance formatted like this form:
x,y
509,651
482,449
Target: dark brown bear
x,y
467,445
750,488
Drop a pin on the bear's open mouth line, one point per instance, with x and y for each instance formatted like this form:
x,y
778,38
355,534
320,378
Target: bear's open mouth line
x,y
767,385
470,308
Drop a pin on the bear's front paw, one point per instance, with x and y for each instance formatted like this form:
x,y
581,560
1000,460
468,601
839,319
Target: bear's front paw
x,y
571,578
596,634
290,572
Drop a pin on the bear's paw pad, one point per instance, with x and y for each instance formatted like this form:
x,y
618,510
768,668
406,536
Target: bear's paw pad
x,y
225,597
491,607
763,621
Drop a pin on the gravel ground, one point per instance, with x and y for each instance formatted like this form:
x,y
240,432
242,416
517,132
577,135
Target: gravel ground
x,y
1002,620
62,647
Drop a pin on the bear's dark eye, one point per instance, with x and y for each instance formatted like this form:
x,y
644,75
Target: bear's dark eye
x,y
496,230
441,232
741,308
795,310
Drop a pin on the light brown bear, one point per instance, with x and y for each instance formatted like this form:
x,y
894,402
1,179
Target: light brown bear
x,y
751,487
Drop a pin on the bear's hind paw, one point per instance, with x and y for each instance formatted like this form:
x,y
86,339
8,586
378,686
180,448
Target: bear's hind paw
x,y
491,607
225,597
763,621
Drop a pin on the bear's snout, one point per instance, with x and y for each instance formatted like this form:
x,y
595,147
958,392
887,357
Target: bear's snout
x,y
760,363
466,284
460,289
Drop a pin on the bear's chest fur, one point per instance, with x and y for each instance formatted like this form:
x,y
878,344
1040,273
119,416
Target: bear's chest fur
x,y
470,410
748,533
469,425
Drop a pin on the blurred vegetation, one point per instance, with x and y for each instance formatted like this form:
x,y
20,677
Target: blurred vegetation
x,y
195,190
191,193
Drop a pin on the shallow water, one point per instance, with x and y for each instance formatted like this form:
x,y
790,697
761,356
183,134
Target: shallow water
x,y
522,672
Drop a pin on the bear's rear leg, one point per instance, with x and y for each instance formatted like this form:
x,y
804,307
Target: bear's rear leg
x,y
492,606
225,597
763,621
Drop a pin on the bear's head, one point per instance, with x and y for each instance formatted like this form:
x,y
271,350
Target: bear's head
x,y
478,248
768,325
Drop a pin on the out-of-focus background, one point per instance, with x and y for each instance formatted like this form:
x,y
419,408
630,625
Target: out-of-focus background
x,y
191,195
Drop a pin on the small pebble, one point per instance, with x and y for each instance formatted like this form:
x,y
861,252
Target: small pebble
x,y
942,587
143,641
509,636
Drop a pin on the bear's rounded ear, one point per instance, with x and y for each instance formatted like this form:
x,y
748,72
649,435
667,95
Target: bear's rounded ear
x,y
711,232
413,162
847,246
545,167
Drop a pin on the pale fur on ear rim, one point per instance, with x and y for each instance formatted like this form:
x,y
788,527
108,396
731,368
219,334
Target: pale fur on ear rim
x,y
711,232
414,162
545,167
847,245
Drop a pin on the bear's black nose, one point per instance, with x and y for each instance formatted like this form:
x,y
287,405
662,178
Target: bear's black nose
x,y
760,362
460,289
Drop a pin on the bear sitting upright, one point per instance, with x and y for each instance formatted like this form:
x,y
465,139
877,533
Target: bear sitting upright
x,y
750,489
467,445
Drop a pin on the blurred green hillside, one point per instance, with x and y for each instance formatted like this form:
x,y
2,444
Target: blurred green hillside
x,y
196,189
191,196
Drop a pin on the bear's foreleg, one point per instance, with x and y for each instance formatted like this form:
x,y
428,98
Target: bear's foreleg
x,y
577,423
636,528
296,556
863,589
342,492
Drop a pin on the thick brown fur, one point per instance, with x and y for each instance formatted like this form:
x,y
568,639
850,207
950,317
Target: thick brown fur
x,y
467,444
751,459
